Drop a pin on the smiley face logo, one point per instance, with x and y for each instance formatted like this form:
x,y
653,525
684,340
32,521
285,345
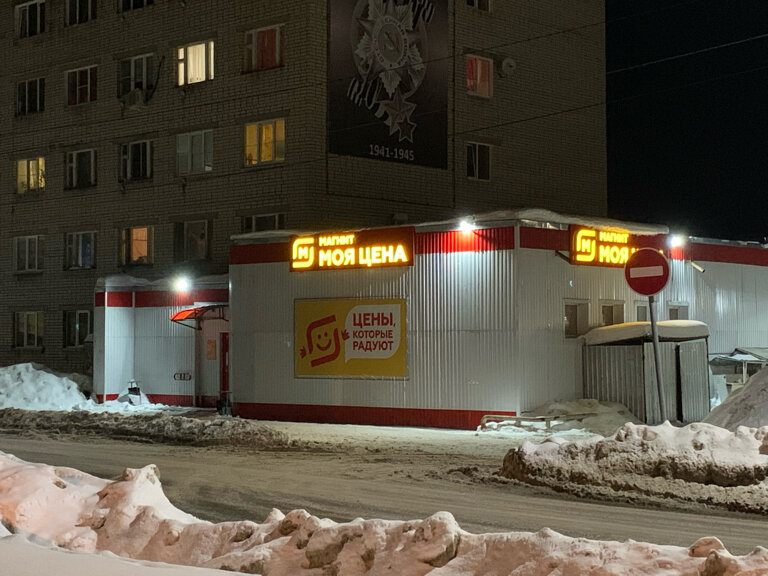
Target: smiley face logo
x,y
323,341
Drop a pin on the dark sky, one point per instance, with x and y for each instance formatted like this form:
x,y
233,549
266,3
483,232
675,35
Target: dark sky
x,y
687,101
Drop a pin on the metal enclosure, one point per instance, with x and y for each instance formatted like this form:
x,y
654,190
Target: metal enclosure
x,y
626,373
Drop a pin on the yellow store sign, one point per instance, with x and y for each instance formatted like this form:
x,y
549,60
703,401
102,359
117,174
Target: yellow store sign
x,y
363,249
350,337
591,247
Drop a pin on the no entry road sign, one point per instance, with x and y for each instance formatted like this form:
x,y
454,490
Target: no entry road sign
x,y
647,271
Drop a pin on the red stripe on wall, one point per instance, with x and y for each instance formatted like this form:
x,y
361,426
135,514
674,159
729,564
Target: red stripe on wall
x,y
160,298
370,415
120,299
480,240
729,254
545,238
260,253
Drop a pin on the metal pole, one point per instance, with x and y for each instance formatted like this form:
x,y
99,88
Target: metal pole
x,y
657,360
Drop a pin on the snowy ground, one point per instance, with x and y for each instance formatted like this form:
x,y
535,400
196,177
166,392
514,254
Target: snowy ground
x,y
131,517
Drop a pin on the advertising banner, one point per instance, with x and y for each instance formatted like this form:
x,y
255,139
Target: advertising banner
x,y
350,337
388,72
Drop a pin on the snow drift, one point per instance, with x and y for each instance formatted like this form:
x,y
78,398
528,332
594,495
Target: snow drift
x,y
746,406
133,518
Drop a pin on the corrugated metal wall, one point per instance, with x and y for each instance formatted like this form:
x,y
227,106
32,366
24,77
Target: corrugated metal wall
x,y
616,374
118,353
694,380
165,353
485,329
460,333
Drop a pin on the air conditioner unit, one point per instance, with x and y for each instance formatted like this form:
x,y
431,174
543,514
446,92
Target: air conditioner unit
x,y
133,99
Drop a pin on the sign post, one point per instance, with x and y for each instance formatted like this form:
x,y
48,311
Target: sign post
x,y
647,273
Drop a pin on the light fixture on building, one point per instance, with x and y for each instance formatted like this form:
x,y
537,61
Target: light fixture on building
x,y
467,225
181,284
676,241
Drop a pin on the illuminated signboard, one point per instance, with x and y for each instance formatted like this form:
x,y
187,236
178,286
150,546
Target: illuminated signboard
x,y
363,249
590,247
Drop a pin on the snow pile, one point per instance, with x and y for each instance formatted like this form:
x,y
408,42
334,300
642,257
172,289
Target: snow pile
x,y
587,416
33,387
746,406
697,463
157,426
133,518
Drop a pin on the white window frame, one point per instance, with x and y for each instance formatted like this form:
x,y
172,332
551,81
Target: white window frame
x,y
74,6
29,171
133,80
473,152
127,5
26,328
675,309
582,318
127,155
183,63
258,147
194,152
248,223
198,250
28,253
73,159
23,23
74,258
127,240
90,85
481,5
24,108
477,85
615,308
252,55
641,305
77,338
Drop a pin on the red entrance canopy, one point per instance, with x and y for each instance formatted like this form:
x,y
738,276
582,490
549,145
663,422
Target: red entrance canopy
x,y
197,313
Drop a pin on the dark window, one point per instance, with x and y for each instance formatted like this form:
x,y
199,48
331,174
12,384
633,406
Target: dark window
x,y
77,327
80,11
478,161
136,4
30,96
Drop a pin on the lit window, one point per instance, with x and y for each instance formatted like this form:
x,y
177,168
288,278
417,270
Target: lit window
x,y
80,11
263,49
260,222
30,18
30,175
136,161
28,253
81,250
265,142
81,168
478,161
136,245
192,240
135,74
30,97
135,4
483,5
194,152
195,63
77,327
480,76
81,85
28,329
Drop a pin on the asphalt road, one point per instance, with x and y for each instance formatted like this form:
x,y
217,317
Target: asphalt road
x,y
386,481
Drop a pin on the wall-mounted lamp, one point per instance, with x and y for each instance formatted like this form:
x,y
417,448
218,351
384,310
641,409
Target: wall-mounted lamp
x,y
181,284
676,241
466,225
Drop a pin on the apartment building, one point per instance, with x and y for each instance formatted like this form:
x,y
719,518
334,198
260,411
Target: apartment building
x,y
138,136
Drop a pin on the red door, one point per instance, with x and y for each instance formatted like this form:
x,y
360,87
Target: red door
x,y
224,366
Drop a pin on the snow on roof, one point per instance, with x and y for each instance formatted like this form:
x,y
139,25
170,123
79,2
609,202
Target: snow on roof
x,y
126,281
545,218
667,330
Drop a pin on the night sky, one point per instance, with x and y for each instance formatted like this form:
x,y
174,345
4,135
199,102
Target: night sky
x,y
687,102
